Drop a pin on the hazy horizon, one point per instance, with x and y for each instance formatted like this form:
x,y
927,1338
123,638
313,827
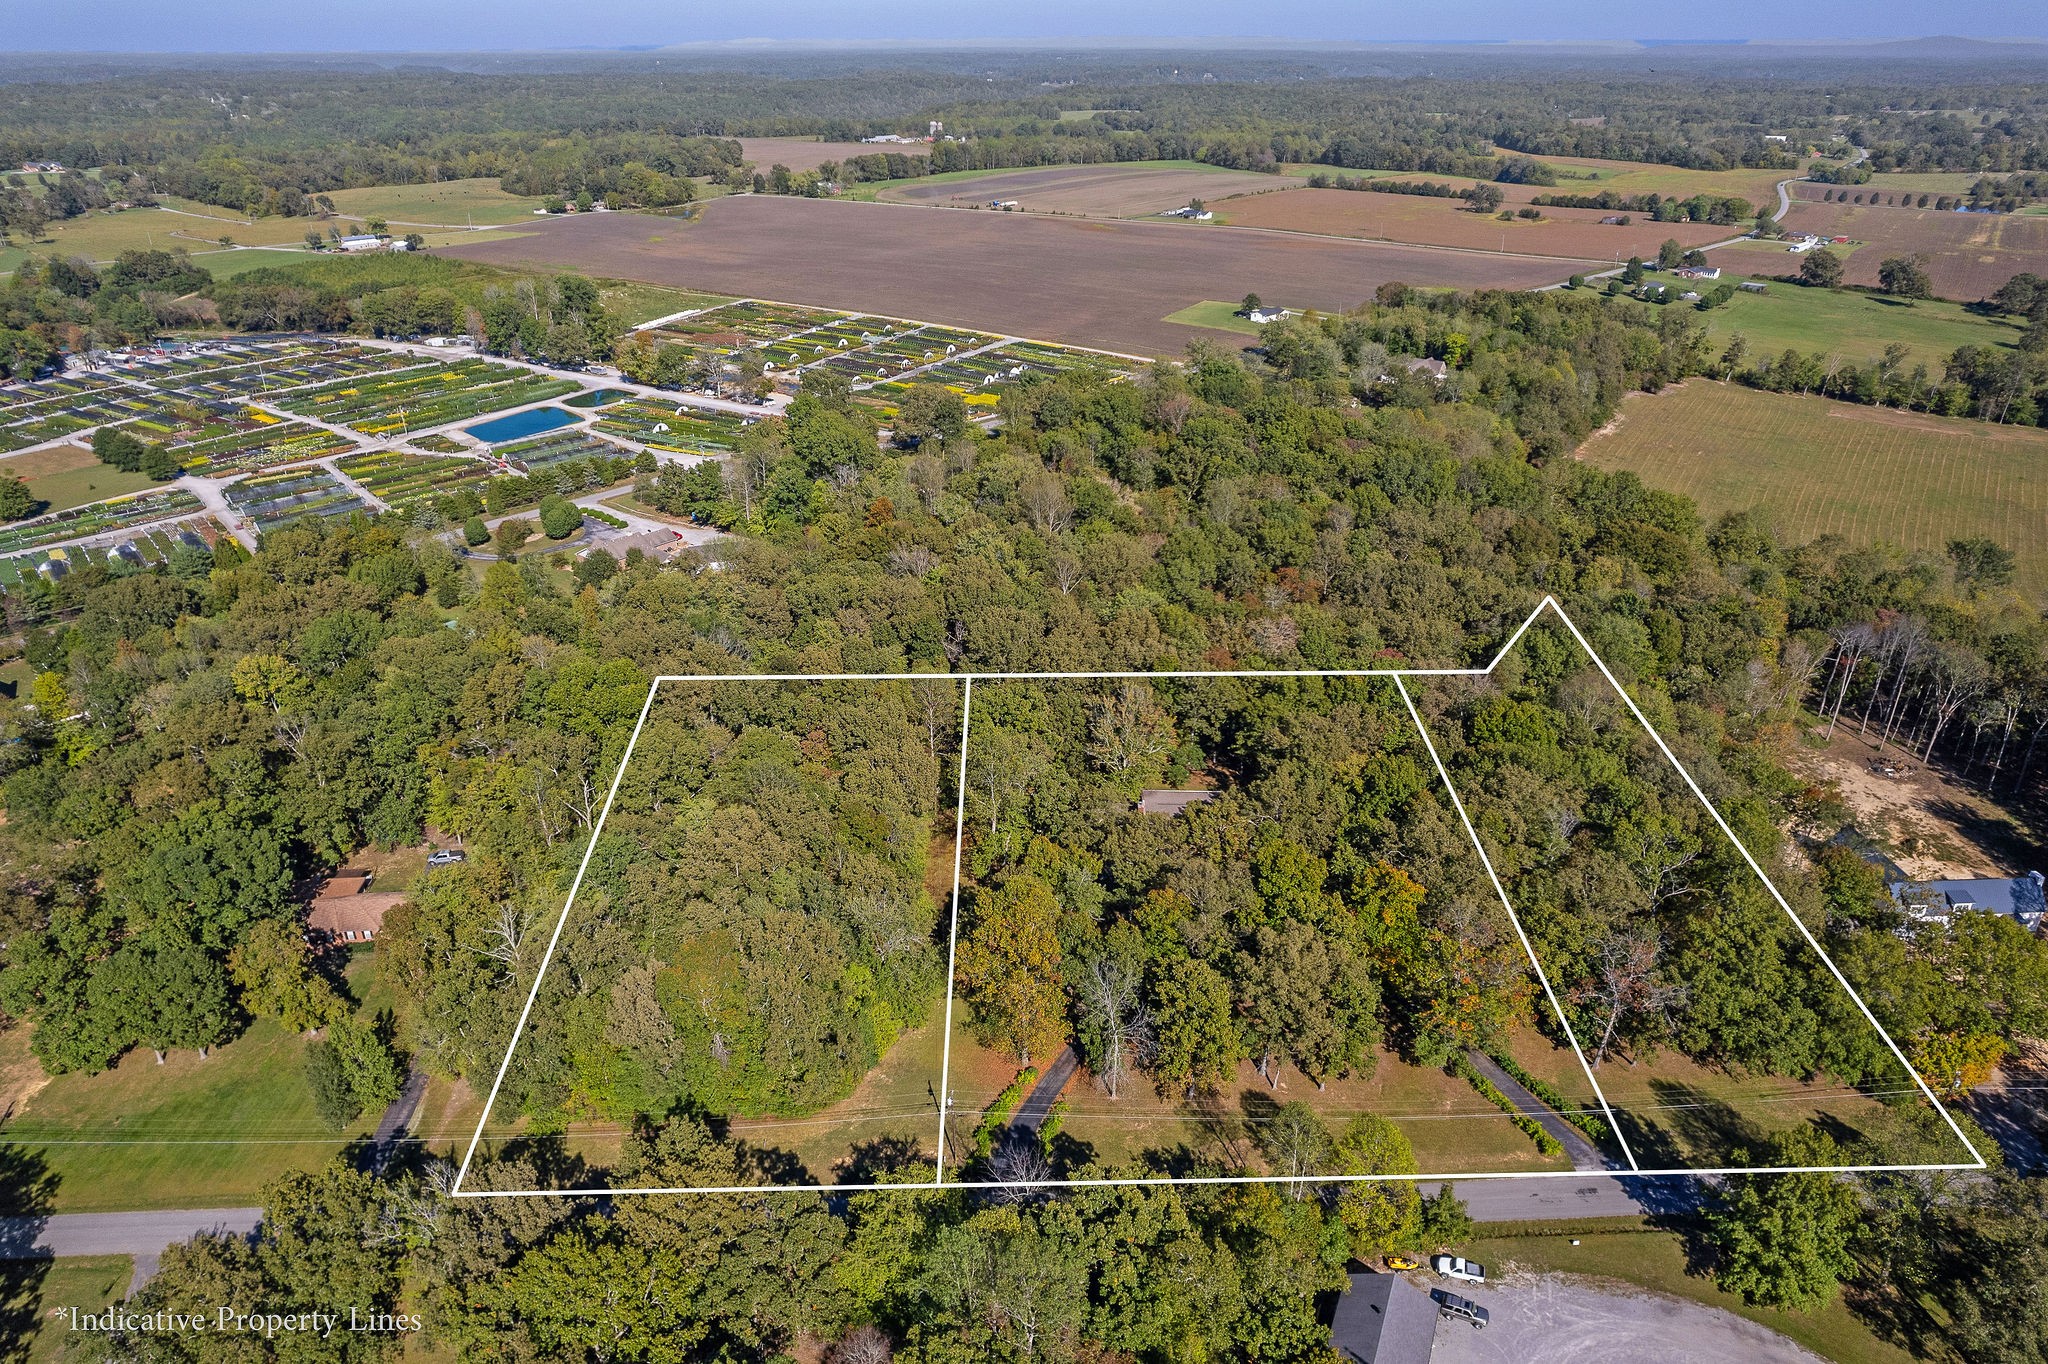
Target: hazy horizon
x,y
255,27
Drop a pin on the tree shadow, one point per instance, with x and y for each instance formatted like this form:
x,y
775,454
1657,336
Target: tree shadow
x,y
1068,1154
2003,837
772,1165
554,1165
878,1160
28,1190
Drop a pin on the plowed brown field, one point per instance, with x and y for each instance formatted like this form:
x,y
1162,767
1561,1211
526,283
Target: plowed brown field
x,y
1088,191
1968,254
1573,233
1086,282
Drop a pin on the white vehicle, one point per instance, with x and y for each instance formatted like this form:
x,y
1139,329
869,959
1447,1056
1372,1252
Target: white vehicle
x,y
1452,1267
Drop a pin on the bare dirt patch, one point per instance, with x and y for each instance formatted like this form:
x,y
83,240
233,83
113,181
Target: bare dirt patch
x,y
808,153
1573,233
1968,254
1090,283
1931,826
1089,191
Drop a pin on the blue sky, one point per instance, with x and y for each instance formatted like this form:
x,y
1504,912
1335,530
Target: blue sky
x,y
455,25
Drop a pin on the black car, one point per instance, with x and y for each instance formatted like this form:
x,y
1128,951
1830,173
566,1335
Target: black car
x,y
1449,1304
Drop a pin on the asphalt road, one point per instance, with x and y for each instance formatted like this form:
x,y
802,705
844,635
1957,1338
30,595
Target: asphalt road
x,y
1592,1195
1550,1319
140,1235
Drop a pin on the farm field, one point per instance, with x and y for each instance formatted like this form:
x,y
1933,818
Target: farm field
x,y
428,396
1117,280
1968,254
275,499
103,234
808,153
95,517
1851,324
1587,175
686,429
1124,190
1571,233
147,544
401,479
1820,467
67,476
447,203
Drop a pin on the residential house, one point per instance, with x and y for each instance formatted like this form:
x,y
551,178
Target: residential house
x,y
1434,369
1171,803
1264,314
361,241
1383,1319
2019,898
347,911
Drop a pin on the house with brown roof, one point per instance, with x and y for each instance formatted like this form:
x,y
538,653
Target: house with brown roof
x,y
347,911
1170,803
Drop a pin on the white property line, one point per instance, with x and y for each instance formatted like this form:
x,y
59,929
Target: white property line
x,y
1396,675
953,932
1769,885
1542,977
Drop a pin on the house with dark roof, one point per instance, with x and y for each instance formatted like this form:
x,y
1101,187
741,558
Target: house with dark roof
x,y
1383,1319
1170,803
2019,898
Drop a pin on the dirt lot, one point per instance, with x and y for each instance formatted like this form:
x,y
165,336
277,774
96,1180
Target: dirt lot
x,y
1932,827
807,153
1552,1319
1090,191
1090,283
1968,254
1571,233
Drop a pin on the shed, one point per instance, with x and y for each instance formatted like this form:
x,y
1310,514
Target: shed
x,y
1171,803
1754,286
1383,1319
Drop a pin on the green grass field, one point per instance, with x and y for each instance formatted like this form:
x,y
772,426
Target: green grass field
x,y
186,1134
1656,1260
450,203
69,476
1219,316
87,1282
1850,324
1816,467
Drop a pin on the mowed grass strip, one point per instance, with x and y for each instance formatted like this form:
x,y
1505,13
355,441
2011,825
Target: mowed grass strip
x,y
1819,467
1848,323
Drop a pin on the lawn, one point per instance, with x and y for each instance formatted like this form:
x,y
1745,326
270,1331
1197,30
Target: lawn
x,y
66,476
1218,316
1851,324
448,203
634,304
1818,467
87,1282
1452,1129
103,235
1656,1260
186,1134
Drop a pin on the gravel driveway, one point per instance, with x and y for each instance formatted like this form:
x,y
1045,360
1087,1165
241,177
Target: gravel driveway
x,y
1550,1319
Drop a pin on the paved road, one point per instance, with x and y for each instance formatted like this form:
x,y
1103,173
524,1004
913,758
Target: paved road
x,y
1552,1319
140,1235
1522,1200
1046,1092
397,1118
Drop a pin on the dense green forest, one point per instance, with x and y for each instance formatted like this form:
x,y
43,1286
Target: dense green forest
x,y
264,137
206,733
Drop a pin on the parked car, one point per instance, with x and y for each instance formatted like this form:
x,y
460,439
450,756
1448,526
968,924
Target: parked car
x,y
446,857
1449,1304
1402,1262
1452,1267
